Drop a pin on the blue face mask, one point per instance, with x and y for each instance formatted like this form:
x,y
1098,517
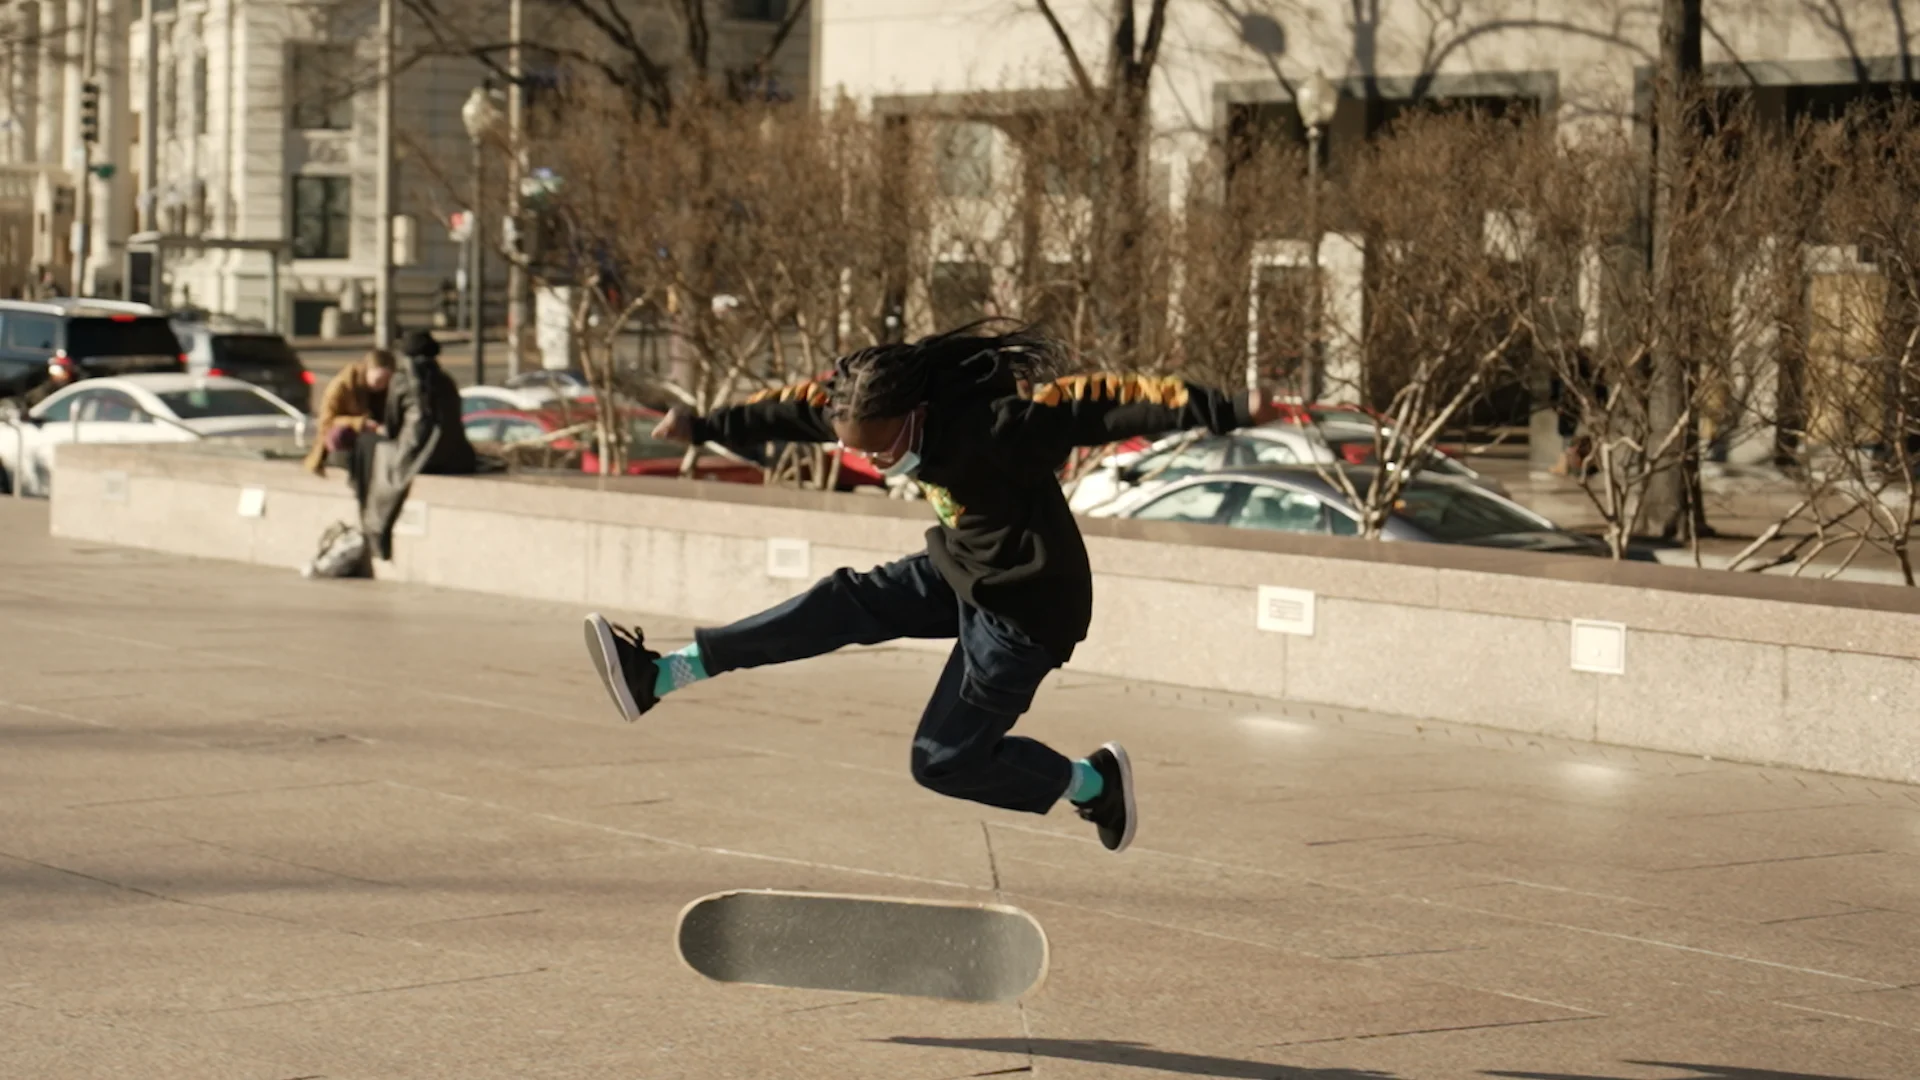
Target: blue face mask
x,y
909,461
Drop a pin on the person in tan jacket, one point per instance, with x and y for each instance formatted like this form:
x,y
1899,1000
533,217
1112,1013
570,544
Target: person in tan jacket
x,y
356,399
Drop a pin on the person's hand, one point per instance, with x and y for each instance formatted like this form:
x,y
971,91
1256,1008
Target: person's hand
x,y
372,427
1262,408
676,426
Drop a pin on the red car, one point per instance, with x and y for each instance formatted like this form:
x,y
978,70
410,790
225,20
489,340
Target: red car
x,y
645,455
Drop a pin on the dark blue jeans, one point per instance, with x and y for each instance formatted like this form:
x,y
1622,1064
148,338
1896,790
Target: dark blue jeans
x,y
962,747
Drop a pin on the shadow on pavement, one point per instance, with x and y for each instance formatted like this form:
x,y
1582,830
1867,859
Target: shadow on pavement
x,y
1696,1072
1142,1056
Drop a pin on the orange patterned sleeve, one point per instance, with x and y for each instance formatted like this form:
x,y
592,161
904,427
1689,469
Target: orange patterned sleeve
x,y
796,413
1103,407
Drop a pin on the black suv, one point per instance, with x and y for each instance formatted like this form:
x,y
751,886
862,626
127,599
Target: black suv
x,y
100,337
244,349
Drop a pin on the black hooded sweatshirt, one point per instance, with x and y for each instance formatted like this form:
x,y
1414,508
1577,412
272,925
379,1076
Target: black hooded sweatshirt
x,y
990,461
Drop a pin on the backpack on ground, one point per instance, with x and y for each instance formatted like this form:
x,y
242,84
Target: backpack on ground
x,y
342,554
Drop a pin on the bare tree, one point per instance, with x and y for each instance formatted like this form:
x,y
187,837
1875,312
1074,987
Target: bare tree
x,y
749,235
1441,203
1599,321
1852,430
658,57
1675,87
1114,128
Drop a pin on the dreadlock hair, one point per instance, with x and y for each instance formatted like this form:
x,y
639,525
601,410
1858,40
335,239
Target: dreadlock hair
x,y
891,380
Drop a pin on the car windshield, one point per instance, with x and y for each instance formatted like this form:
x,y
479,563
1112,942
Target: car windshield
x,y
89,336
203,403
253,351
1453,514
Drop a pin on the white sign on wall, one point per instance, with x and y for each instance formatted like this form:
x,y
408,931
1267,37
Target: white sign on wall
x,y
253,502
1599,647
1285,611
789,558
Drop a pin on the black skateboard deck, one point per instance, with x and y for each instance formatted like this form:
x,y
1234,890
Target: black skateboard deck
x,y
864,944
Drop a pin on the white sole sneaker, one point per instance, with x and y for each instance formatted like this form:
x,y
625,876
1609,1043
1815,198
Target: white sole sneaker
x,y
605,650
1126,790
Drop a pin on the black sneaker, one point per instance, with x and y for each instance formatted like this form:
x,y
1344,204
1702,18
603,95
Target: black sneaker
x,y
625,664
1112,811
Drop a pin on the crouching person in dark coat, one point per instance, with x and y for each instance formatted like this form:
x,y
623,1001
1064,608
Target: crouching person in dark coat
x,y
422,434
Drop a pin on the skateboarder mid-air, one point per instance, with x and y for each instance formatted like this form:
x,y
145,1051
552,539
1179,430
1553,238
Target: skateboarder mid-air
x,y
983,422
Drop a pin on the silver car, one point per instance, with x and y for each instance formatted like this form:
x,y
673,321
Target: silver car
x,y
1300,499
1111,487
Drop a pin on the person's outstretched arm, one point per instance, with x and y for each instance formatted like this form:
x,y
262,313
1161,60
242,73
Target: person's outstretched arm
x,y
1092,410
796,413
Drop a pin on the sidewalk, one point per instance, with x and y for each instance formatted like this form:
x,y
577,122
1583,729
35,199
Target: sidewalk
x,y
1740,508
258,827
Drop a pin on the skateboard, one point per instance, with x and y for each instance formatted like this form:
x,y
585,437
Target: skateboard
x,y
864,944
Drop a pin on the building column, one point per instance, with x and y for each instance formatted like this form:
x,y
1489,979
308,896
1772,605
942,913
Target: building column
x,y
69,46
50,99
1180,156
1755,404
22,84
1343,263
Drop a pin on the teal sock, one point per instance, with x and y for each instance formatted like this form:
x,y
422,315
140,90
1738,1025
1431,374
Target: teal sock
x,y
1087,782
677,669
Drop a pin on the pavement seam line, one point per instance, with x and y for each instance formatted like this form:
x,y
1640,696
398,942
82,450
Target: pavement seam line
x,y
1769,862
1026,1020
685,845
1435,1031
372,990
1842,1016
1430,902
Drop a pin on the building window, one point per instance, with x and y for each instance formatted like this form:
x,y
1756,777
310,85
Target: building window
x,y
321,85
963,159
199,92
322,217
758,10
169,102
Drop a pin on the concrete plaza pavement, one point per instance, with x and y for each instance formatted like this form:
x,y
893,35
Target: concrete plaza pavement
x,y
258,827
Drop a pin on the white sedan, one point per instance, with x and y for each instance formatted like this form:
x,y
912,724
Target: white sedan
x,y
139,409
474,399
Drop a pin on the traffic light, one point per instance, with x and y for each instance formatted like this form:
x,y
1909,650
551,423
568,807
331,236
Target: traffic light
x,y
90,112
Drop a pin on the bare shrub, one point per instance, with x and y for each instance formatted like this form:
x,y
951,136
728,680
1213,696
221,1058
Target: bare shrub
x,y
1435,209
1850,424
750,235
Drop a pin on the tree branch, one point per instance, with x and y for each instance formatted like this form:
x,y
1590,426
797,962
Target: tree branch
x,y
794,14
1120,46
1080,76
1156,29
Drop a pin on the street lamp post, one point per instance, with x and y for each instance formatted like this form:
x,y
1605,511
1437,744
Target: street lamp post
x,y
480,116
82,243
516,245
1317,99
383,298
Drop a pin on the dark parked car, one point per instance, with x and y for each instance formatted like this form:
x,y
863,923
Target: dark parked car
x,y
1299,499
247,351
101,337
